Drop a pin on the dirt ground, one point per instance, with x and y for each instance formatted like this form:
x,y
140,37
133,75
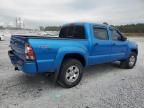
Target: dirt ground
x,y
102,86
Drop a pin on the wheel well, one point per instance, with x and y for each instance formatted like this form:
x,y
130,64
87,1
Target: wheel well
x,y
135,51
76,56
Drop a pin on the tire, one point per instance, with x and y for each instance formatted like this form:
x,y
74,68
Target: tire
x,y
0,39
70,73
130,62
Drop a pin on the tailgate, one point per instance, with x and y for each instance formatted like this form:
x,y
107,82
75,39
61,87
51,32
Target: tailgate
x,y
17,44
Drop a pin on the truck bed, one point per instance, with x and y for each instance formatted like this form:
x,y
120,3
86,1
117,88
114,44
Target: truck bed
x,y
45,49
39,37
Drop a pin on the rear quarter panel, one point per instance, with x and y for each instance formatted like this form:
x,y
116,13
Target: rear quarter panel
x,y
50,52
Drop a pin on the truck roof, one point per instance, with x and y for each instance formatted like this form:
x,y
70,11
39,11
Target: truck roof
x,y
90,23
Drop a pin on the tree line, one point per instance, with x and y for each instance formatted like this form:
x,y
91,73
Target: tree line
x,y
1,27
52,28
131,28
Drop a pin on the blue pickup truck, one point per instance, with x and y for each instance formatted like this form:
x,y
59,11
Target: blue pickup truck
x,y
77,46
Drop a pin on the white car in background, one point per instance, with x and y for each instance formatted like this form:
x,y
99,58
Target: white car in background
x,y
1,37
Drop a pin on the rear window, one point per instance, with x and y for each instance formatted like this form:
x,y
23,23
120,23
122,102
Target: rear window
x,y
75,31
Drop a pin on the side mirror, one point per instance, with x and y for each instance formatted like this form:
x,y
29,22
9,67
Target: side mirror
x,y
122,38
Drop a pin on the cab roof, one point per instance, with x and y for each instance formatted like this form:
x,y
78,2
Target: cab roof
x,y
88,23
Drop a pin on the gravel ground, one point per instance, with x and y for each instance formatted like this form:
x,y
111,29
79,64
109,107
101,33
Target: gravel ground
x,y
102,86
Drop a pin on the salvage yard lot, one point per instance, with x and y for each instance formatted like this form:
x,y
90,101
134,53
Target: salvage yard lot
x,y
103,86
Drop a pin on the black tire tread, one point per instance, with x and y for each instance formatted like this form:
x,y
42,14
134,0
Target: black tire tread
x,y
125,63
65,64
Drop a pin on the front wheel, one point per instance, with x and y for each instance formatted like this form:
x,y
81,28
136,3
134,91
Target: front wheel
x,y
70,73
130,62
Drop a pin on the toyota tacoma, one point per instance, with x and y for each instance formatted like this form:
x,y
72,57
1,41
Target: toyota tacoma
x,y
78,45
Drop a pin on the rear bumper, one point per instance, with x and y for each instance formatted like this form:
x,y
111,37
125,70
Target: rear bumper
x,y
28,67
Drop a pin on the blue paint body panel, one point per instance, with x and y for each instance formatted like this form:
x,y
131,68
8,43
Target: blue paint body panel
x,y
50,52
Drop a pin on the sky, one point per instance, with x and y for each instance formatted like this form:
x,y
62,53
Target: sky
x,y
37,13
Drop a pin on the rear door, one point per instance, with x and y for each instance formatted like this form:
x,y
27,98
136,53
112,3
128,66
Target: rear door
x,y
119,47
101,47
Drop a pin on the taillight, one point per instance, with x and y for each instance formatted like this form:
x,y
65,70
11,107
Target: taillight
x,y
29,52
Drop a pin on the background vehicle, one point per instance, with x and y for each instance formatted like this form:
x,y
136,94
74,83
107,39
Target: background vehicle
x,y
78,45
1,37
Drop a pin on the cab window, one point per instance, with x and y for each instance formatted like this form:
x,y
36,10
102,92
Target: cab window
x,y
100,33
73,31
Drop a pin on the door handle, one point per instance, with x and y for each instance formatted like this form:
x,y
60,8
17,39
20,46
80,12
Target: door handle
x,y
114,44
96,44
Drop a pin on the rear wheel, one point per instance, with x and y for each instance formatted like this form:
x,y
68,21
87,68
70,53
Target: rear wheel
x,y
70,73
130,62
